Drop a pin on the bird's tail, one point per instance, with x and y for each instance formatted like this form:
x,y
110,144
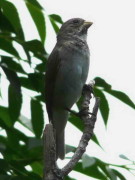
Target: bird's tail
x,y
60,145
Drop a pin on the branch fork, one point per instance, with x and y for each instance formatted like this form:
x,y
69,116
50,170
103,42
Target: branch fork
x,y
51,170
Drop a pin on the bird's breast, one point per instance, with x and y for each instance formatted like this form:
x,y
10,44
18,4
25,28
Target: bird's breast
x,y
71,77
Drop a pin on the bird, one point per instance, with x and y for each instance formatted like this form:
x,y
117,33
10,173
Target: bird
x,y
66,73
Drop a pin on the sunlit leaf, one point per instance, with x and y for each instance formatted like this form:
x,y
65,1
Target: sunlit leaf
x,y
37,117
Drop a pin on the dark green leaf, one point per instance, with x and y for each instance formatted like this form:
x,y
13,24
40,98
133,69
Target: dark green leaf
x,y
41,67
3,165
102,83
38,19
11,13
5,24
7,46
5,177
15,102
25,82
37,81
104,106
122,96
37,117
56,18
5,120
119,174
11,64
34,3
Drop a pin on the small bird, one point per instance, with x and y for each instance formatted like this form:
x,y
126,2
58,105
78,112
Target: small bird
x,y
66,74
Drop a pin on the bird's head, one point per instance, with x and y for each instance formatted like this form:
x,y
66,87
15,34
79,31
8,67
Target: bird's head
x,y
74,27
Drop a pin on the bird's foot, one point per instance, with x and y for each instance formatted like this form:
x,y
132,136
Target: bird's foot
x,y
85,112
81,113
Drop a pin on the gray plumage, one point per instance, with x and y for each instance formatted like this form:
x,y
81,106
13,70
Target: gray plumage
x,y
66,74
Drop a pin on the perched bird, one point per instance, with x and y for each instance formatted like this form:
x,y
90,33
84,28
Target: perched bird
x,y
66,74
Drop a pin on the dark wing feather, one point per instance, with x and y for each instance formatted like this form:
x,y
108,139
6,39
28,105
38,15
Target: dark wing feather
x,y
50,78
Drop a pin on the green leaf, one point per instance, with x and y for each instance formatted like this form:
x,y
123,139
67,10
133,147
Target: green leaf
x,y
37,81
13,79
5,24
118,94
104,106
121,96
11,64
5,177
10,11
7,46
36,47
55,26
5,117
38,19
25,82
102,83
37,168
121,177
91,171
34,3
56,18
3,165
15,102
37,117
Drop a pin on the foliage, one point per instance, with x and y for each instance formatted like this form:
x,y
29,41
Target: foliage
x,y
17,148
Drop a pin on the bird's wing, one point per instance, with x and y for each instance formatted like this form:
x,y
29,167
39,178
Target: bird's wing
x,y
50,78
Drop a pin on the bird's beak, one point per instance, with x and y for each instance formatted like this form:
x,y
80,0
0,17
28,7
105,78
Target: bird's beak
x,y
87,24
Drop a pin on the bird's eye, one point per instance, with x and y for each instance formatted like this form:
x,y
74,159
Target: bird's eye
x,y
76,21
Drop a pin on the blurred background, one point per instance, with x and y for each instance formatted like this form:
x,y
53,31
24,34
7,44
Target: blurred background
x,y
28,31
